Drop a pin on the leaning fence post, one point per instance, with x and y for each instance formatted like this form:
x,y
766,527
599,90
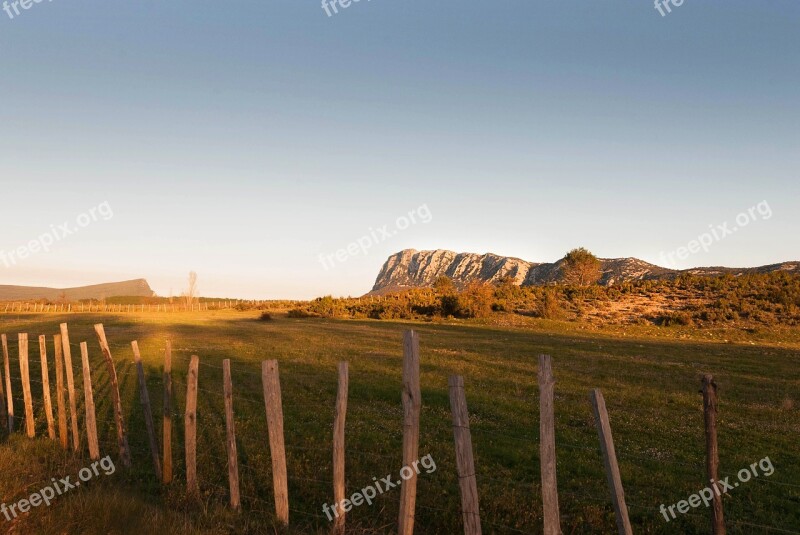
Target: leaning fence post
x,y
274,407
48,405
9,397
465,462
73,405
3,409
144,398
30,423
190,431
547,447
338,448
63,436
230,430
91,420
610,461
122,439
712,450
167,423
412,404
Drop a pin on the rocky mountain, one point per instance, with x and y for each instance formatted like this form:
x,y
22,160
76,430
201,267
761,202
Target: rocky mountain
x,y
132,288
411,268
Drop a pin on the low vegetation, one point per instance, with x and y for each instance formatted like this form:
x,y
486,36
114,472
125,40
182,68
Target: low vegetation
x,y
747,301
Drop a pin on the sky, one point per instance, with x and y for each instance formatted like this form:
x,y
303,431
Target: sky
x,y
250,141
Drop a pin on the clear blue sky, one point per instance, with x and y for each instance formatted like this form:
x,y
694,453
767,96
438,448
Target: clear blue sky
x,y
244,139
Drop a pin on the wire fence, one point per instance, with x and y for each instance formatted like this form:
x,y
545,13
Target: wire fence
x,y
506,459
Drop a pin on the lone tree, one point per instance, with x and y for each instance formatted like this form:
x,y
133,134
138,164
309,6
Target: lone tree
x,y
191,291
580,268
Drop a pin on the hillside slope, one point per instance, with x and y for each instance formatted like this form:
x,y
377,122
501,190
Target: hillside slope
x,y
134,288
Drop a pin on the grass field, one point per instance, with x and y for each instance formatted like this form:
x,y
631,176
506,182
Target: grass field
x,y
650,378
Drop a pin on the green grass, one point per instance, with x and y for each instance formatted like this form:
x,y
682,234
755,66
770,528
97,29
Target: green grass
x,y
649,376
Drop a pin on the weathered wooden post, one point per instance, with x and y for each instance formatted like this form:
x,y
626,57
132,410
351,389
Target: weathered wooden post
x,y
91,420
73,404
547,447
63,435
338,447
610,462
712,450
9,397
412,405
3,409
465,461
190,428
30,423
230,430
48,405
274,408
122,439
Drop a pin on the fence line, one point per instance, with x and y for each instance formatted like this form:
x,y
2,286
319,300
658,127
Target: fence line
x,y
74,307
412,405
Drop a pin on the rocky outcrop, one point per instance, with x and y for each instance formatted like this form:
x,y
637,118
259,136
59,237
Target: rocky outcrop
x,y
412,269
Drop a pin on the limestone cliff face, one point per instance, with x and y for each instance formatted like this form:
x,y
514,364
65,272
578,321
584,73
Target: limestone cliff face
x,y
412,269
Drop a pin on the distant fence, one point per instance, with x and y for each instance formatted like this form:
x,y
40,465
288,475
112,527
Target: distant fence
x,y
162,458
23,306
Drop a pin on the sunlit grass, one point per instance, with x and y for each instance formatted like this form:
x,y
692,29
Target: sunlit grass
x,y
650,382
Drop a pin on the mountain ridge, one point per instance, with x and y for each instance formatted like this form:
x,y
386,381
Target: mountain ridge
x,y
410,268
130,288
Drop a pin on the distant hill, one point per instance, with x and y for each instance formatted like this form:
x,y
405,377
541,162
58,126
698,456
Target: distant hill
x,y
413,269
134,288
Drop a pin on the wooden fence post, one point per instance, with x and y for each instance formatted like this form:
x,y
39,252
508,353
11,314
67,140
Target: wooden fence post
x,y
274,407
144,398
122,439
610,460
190,423
547,447
9,397
230,430
3,410
63,437
412,405
73,404
30,423
88,396
167,423
48,404
338,448
712,450
465,462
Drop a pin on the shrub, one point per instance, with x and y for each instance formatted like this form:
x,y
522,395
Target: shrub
x,y
548,306
476,301
299,313
265,316
674,318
